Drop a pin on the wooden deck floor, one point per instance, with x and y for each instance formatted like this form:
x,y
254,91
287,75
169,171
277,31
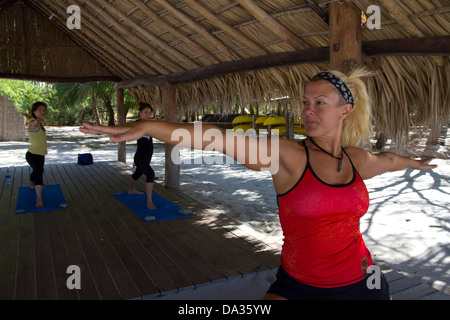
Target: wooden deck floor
x,y
120,255
406,287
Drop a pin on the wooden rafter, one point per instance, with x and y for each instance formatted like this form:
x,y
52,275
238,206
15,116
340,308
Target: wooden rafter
x,y
100,43
198,28
402,18
319,10
161,22
92,48
106,38
191,64
399,15
243,39
406,47
108,35
132,39
272,24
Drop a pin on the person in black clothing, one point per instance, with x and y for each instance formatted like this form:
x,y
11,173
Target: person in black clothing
x,y
142,159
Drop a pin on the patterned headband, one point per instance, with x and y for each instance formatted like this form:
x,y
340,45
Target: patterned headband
x,y
339,84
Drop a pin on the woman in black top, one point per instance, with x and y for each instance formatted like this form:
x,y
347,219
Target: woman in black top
x,y
142,159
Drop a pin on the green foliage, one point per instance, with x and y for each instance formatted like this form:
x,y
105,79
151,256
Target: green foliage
x,y
68,104
24,93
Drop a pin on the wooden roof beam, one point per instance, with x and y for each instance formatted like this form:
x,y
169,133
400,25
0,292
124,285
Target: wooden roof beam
x,y
198,28
191,64
394,47
130,37
399,15
156,18
108,35
243,39
272,24
101,41
106,39
317,9
93,48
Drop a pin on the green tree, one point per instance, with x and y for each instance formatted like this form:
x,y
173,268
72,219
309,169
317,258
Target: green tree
x,y
24,93
88,102
68,103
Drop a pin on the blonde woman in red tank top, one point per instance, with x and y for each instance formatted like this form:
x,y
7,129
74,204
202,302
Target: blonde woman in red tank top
x,y
319,182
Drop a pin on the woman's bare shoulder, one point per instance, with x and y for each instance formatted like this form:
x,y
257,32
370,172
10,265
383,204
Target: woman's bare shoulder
x,y
357,153
292,162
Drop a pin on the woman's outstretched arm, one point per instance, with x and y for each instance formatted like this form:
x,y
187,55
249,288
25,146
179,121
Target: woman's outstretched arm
x,y
370,165
252,152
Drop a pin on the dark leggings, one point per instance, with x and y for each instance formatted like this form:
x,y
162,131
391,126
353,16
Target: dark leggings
x,y
36,163
291,289
143,167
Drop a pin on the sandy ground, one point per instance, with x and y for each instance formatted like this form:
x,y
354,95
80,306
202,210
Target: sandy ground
x,y
407,226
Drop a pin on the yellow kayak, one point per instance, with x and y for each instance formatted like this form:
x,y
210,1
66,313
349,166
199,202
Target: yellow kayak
x,y
260,120
243,119
274,121
244,127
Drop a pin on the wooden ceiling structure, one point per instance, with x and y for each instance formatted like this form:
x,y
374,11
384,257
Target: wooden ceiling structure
x,y
205,51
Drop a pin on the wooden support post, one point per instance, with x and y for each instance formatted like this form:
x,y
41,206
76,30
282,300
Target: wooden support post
x,y
172,170
122,118
345,36
289,123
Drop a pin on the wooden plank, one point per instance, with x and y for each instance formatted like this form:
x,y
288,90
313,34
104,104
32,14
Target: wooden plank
x,y
111,267
60,258
116,231
406,287
219,254
401,284
66,247
224,260
437,295
106,271
392,275
25,274
159,276
45,275
44,269
9,231
120,255
217,234
77,257
415,292
95,217
151,238
116,281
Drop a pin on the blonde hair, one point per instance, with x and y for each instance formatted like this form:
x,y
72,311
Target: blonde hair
x,y
357,128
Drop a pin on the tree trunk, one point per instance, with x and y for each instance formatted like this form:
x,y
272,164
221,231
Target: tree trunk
x,y
95,109
110,109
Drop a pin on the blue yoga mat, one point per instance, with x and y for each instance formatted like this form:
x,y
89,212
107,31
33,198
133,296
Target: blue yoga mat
x,y
165,209
52,197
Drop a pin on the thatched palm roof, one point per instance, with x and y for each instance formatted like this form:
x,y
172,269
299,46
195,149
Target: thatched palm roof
x,y
213,49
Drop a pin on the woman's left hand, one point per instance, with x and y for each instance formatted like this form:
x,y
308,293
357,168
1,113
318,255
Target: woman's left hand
x,y
425,164
125,132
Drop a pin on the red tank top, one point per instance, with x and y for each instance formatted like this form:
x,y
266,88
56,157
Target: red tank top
x,y
323,245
